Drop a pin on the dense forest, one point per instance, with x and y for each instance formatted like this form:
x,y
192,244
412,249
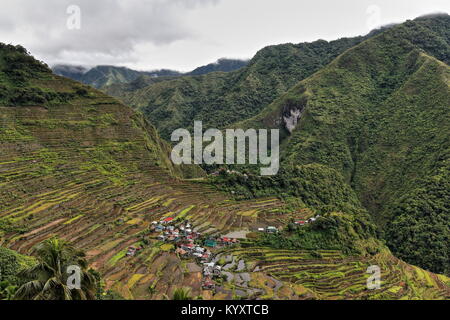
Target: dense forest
x,y
378,115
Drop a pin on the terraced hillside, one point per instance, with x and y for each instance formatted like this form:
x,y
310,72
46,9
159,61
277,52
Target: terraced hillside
x,y
92,171
327,274
79,165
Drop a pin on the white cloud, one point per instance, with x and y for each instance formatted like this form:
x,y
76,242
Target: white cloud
x,y
184,34
110,29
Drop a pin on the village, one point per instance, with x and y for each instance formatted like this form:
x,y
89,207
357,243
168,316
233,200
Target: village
x,y
190,244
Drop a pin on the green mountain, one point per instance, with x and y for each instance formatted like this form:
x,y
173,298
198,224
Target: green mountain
x,y
106,76
145,80
379,116
70,71
220,99
121,89
221,65
102,76
78,164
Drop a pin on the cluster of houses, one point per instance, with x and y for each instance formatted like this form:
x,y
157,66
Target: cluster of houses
x,y
269,229
132,251
172,233
187,245
222,170
189,249
304,222
221,242
210,271
184,238
272,229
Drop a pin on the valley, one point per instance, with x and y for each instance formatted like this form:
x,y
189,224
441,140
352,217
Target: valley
x,y
365,141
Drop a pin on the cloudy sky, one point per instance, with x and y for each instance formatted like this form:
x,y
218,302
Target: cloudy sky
x,y
184,34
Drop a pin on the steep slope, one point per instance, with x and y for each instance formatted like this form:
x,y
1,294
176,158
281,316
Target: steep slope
x,y
327,274
77,164
220,99
379,115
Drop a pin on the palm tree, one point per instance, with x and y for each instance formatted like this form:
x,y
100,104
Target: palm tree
x,y
182,294
49,277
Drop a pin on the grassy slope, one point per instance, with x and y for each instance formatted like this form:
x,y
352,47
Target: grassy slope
x,y
379,115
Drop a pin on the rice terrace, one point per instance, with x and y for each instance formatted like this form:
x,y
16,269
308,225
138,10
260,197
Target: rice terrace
x,y
356,208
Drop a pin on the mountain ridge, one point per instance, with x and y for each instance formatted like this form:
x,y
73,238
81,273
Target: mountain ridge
x,y
79,164
220,99
363,115
108,75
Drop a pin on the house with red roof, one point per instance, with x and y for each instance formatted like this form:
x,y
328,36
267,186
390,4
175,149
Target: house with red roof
x,y
167,220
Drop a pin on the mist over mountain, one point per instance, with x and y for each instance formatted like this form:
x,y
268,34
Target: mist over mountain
x,y
103,76
70,71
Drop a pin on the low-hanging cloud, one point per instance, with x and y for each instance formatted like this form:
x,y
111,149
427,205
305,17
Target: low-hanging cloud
x,y
185,34
110,29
